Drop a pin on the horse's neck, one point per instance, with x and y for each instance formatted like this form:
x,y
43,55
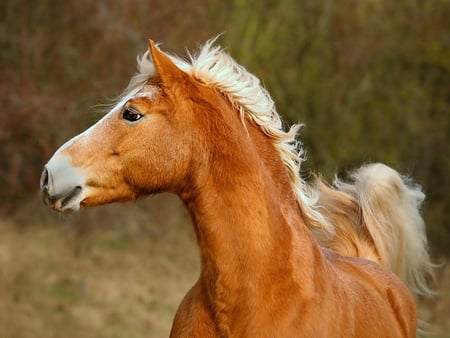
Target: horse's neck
x,y
249,227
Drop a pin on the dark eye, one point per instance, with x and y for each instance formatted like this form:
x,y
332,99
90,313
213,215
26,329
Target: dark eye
x,y
131,115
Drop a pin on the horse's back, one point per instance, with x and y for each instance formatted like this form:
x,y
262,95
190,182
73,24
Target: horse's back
x,y
382,305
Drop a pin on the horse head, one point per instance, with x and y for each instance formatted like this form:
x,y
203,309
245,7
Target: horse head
x,y
143,145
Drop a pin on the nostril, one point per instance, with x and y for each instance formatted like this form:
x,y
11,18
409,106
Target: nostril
x,y
44,179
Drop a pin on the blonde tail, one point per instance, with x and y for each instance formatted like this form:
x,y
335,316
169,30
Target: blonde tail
x,y
376,216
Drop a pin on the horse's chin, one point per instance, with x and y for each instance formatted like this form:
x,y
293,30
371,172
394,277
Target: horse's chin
x,y
67,206
71,209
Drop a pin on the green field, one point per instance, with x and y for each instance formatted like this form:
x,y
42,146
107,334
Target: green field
x,y
72,277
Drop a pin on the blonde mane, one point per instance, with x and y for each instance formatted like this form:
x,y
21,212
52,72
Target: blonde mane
x,y
214,67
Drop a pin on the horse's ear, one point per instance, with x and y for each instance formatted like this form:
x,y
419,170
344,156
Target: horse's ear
x,y
165,69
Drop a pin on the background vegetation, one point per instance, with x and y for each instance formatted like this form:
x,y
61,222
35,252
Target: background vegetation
x,y
369,78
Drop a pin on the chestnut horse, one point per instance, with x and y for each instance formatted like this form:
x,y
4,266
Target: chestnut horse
x,y
280,257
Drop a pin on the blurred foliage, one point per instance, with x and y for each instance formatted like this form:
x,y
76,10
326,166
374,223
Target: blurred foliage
x,y
369,78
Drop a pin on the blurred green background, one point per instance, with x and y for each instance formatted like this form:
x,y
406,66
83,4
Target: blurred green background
x,y
369,78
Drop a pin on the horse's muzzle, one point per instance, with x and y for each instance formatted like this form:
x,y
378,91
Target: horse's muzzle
x,y
61,186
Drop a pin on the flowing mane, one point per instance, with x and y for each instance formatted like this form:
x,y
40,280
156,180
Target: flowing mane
x,y
214,67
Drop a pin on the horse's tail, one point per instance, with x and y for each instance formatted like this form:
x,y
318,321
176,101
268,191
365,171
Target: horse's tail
x,y
377,217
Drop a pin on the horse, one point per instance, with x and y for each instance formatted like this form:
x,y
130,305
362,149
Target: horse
x,y
280,256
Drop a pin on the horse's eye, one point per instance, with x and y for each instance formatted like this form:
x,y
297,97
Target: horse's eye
x,y
131,115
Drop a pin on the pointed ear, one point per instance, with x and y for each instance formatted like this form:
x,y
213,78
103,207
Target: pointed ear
x,y
165,69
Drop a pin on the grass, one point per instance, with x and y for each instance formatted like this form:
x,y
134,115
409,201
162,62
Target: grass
x,y
123,277
105,282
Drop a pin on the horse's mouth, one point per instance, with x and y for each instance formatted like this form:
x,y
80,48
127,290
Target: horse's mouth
x,y
70,197
63,203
